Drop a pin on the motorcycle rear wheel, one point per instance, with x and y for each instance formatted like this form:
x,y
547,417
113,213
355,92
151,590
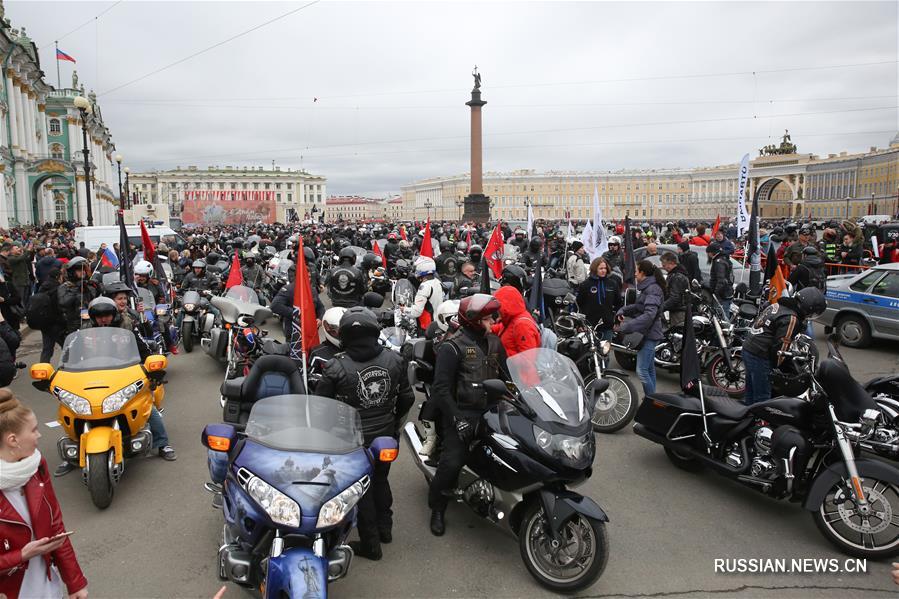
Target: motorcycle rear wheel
x,y
621,407
584,547
187,336
683,461
99,482
839,521
717,375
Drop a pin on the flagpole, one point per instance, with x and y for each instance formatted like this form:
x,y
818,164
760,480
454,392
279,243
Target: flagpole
x,y
56,54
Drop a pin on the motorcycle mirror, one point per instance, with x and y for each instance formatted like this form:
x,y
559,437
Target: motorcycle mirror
x,y
219,437
495,388
155,363
42,371
695,285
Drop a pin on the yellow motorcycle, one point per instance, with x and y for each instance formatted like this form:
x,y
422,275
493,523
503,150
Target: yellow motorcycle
x,y
105,397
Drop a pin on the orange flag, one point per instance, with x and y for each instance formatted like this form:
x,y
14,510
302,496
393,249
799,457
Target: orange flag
x,y
235,277
716,226
302,299
427,248
776,286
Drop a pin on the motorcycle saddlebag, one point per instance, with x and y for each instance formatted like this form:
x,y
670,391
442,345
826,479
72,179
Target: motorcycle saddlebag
x,y
218,339
670,415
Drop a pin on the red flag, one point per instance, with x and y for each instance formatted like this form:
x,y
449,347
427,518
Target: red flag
x,y
493,253
403,232
427,248
377,250
149,249
468,239
716,226
235,277
302,299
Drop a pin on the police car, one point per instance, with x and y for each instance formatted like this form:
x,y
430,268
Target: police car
x,y
864,305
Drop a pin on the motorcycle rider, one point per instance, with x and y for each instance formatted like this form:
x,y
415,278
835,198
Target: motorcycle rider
x,y
392,251
794,254
282,304
466,358
346,285
533,253
447,262
143,271
721,276
520,239
810,271
430,292
516,330
327,349
373,380
613,256
199,279
690,261
466,279
75,294
677,284
253,275
514,276
575,267
771,335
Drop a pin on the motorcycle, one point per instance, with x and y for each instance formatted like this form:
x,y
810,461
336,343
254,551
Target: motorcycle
x,y
288,486
241,313
105,397
153,318
616,406
197,321
719,358
531,445
803,450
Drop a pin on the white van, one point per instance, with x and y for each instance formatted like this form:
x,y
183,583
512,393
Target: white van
x,y
875,219
93,237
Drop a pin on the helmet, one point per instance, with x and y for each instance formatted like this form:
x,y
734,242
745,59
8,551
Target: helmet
x,y
76,263
445,245
392,237
212,258
102,306
346,254
402,268
237,242
475,251
111,289
805,230
445,312
424,266
519,231
356,321
566,326
514,276
614,240
713,248
462,246
809,251
535,244
810,302
198,264
143,269
331,324
309,255
475,307
370,261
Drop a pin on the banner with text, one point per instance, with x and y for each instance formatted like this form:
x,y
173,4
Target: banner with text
x,y
228,207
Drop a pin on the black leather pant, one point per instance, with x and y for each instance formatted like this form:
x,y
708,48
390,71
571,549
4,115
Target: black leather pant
x,y
452,460
375,514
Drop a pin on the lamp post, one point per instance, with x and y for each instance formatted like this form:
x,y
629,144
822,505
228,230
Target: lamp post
x,y
873,209
847,207
459,203
84,107
127,187
428,207
118,159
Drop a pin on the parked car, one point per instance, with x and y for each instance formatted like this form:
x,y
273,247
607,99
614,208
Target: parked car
x,y
864,305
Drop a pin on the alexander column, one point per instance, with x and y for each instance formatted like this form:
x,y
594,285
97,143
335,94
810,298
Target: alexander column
x,y
477,205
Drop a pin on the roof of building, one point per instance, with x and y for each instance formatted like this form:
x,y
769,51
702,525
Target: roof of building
x,y
349,200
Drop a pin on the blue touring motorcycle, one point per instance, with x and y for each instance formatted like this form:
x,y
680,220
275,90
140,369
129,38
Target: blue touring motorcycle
x,y
289,486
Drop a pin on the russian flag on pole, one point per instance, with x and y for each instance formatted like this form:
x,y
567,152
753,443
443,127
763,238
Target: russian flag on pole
x,y
60,55
108,258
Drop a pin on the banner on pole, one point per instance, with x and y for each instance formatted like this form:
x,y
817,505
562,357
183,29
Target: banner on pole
x,y
742,189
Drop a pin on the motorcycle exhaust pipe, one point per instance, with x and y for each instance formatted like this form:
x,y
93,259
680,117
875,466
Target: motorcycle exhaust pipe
x,y
410,433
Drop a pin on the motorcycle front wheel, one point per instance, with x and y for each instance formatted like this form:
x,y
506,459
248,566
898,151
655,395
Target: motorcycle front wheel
x,y
733,381
99,482
187,336
617,406
875,536
575,562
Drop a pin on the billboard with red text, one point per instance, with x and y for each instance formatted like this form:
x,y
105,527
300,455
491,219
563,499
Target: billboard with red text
x,y
228,207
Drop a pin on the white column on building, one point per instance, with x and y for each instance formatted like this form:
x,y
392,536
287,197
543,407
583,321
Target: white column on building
x,y
29,123
20,134
11,107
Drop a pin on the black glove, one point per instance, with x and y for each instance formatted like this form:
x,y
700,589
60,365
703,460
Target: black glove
x,y
464,430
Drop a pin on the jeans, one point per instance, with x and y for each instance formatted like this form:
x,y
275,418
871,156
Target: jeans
x,y
758,378
157,427
646,365
725,305
375,513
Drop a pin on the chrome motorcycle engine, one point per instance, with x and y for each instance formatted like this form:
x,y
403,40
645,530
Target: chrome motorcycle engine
x,y
667,353
763,465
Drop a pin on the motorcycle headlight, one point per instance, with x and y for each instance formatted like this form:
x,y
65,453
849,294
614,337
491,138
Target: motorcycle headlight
x,y
162,310
605,347
76,403
190,307
115,401
573,452
335,510
280,508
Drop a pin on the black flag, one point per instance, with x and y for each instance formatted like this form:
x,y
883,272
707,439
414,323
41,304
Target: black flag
x,y
689,366
771,262
125,267
630,264
755,257
485,275
535,294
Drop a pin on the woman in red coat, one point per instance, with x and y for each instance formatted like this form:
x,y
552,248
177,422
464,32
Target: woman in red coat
x,y
34,560
517,329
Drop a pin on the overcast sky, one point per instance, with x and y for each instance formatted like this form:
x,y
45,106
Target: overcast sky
x,y
570,86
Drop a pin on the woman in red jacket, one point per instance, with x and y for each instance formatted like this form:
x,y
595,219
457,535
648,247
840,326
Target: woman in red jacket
x,y
517,329
34,560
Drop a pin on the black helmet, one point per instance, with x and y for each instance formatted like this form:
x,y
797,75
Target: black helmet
x,y
475,307
809,250
445,245
111,289
713,248
370,261
308,254
810,302
357,321
535,244
475,252
101,306
805,230
515,276
237,242
76,263
213,258
403,268
462,246
198,264
346,254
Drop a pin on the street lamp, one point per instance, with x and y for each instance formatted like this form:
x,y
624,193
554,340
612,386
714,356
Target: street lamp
x,y
428,206
128,186
459,203
847,207
873,209
84,107
118,159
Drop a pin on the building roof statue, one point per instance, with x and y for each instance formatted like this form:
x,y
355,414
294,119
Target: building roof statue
x,y
786,147
477,77
74,79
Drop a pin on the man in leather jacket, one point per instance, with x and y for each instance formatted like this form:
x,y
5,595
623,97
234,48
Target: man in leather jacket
x,y
447,262
253,274
810,271
346,284
282,304
533,253
465,359
676,284
372,379
690,261
721,276
198,279
771,335
392,251
75,294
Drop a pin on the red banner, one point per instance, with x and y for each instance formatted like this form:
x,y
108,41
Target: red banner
x,y
228,206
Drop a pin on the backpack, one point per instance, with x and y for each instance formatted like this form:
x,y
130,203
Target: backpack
x,y
548,337
817,278
41,311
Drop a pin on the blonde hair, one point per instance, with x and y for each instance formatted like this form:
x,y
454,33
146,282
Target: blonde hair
x,y
13,414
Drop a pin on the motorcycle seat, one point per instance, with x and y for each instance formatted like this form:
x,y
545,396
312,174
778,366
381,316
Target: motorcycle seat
x,y
849,398
270,376
717,401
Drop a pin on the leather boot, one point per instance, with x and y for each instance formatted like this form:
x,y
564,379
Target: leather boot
x,y
438,524
363,550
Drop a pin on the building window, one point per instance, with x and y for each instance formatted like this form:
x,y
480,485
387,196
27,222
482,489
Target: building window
x,y
289,197
244,184
255,185
277,186
59,209
57,152
221,186
278,197
268,185
55,127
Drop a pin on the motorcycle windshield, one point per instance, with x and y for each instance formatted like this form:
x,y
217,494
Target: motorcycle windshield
x,y
146,297
394,336
551,386
283,268
305,423
403,293
242,293
100,348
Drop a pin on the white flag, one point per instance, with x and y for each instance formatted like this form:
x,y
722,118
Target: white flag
x,y
570,233
530,221
742,213
587,239
600,239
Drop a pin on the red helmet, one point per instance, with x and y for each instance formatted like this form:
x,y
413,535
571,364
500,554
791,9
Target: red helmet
x,y
392,236
475,307
619,228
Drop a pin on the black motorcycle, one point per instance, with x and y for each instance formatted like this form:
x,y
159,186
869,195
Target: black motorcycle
x,y
196,321
803,450
533,443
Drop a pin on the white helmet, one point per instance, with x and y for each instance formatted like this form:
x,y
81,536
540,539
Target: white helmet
x,y
143,268
424,266
331,324
614,239
444,312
